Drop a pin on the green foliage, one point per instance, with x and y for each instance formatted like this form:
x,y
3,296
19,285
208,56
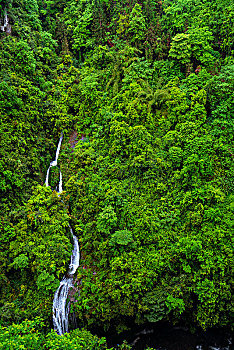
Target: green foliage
x,y
40,248
155,306
29,335
194,46
181,48
46,282
78,20
144,96
151,196
137,26
21,261
200,39
123,237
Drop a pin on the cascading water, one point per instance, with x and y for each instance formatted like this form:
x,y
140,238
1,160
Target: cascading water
x,y
54,163
6,26
61,308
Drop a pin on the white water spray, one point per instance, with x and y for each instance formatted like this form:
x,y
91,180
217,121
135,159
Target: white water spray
x,y
54,163
61,308
6,26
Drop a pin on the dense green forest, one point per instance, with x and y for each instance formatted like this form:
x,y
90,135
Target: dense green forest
x,y
143,93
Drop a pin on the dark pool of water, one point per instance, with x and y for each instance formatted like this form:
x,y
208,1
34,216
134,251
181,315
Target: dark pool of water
x,y
177,339
166,337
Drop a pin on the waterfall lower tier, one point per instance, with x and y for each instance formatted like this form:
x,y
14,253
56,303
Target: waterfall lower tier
x,y
61,307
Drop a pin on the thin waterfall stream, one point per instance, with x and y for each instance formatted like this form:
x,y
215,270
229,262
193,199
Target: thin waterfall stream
x,y
6,27
61,308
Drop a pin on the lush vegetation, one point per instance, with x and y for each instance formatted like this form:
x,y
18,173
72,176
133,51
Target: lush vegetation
x,y
30,335
145,91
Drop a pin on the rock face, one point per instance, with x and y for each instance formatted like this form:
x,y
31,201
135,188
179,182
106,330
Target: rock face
x,y
73,139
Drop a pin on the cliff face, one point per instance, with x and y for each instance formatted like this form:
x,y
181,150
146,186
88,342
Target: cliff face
x,y
143,94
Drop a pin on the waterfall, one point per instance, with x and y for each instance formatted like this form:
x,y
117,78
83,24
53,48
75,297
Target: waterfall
x,y
61,308
54,163
6,26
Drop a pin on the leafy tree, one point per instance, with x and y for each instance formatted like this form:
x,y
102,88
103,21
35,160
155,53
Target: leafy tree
x,y
29,334
137,26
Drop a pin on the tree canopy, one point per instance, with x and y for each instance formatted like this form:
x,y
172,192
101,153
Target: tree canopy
x,y
143,92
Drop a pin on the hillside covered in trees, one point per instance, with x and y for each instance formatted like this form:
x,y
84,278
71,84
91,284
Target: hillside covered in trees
x,y
143,93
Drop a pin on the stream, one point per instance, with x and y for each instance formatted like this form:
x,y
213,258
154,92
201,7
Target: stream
x,y
61,308
6,26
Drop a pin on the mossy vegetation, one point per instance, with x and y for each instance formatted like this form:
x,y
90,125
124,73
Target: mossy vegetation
x,y
143,92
